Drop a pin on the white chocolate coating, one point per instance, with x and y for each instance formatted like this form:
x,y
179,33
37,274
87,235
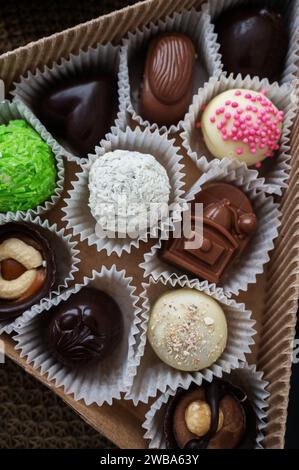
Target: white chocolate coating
x,y
128,191
187,329
243,125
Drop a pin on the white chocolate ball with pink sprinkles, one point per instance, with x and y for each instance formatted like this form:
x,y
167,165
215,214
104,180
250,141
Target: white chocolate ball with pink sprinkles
x,y
242,124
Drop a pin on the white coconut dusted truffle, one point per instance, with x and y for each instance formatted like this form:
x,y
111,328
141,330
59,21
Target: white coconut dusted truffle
x,y
187,329
129,191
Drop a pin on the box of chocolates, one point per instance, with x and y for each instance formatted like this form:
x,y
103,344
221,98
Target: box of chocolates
x,y
149,220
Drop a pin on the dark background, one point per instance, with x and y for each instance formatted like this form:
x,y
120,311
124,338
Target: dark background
x,y
30,415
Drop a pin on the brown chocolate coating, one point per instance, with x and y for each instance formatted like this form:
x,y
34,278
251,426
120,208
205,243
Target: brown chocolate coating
x,y
253,40
34,236
79,111
239,427
228,223
86,328
168,77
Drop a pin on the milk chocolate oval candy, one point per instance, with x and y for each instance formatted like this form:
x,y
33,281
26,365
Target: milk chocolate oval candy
x,y
168,77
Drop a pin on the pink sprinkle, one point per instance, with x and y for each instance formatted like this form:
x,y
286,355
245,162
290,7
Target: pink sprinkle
x,y
240,111
234,129
238,93
228,115
235,104
248,117
212,119
264,91
248,96
228,102
239,151
235,138
219,126
252,150
258,165
254,109
249,108
224,137
245,140
261,146
239,135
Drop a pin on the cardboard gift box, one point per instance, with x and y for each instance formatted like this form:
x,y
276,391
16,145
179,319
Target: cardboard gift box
x,y
273,299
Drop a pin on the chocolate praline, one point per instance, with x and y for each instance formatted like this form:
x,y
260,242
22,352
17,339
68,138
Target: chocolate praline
x,y
33,236
85,329
168,78
79,110
228,222
253,40
237,428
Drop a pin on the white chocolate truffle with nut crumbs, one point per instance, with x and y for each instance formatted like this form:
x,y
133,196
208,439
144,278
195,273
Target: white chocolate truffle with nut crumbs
x,y
129,191
243,125
187,329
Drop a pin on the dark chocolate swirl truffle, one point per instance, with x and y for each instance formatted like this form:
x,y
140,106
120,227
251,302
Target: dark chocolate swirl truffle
x,y
217,415
86,328
253,40
27,268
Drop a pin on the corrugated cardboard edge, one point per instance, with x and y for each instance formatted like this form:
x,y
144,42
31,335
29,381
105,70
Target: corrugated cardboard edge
x,y
275,353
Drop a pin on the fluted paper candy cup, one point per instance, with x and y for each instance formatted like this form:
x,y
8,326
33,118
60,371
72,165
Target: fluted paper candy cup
x,y
153,376
102,58
77,213
245,377
102,382
251,263
14,111
274,171
66,259
290,10
192,23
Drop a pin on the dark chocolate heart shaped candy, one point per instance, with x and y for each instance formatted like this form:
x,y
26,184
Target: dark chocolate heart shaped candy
x,y
80,112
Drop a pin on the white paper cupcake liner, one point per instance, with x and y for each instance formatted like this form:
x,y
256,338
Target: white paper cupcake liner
x,y
284,97
77,212
246,377
102,382
11,111
102,57
198,27
256,255
66,257
153,375
213,8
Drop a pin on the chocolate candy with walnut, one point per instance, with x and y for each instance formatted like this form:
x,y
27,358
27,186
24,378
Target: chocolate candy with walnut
x,y
28,268
228,223
86,328
168,77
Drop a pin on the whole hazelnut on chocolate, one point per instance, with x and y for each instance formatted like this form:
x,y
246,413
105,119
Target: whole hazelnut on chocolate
x,y
216,415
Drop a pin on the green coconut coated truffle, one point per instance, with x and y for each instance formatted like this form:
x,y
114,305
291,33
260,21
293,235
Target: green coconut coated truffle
x,y
27,168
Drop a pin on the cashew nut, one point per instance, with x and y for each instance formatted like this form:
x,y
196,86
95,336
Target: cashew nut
x,y
25,254
10,290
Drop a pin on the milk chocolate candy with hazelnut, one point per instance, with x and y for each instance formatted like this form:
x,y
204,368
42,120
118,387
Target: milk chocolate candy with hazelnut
x,y
27,268
85,329
168,78
228,224
217,415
